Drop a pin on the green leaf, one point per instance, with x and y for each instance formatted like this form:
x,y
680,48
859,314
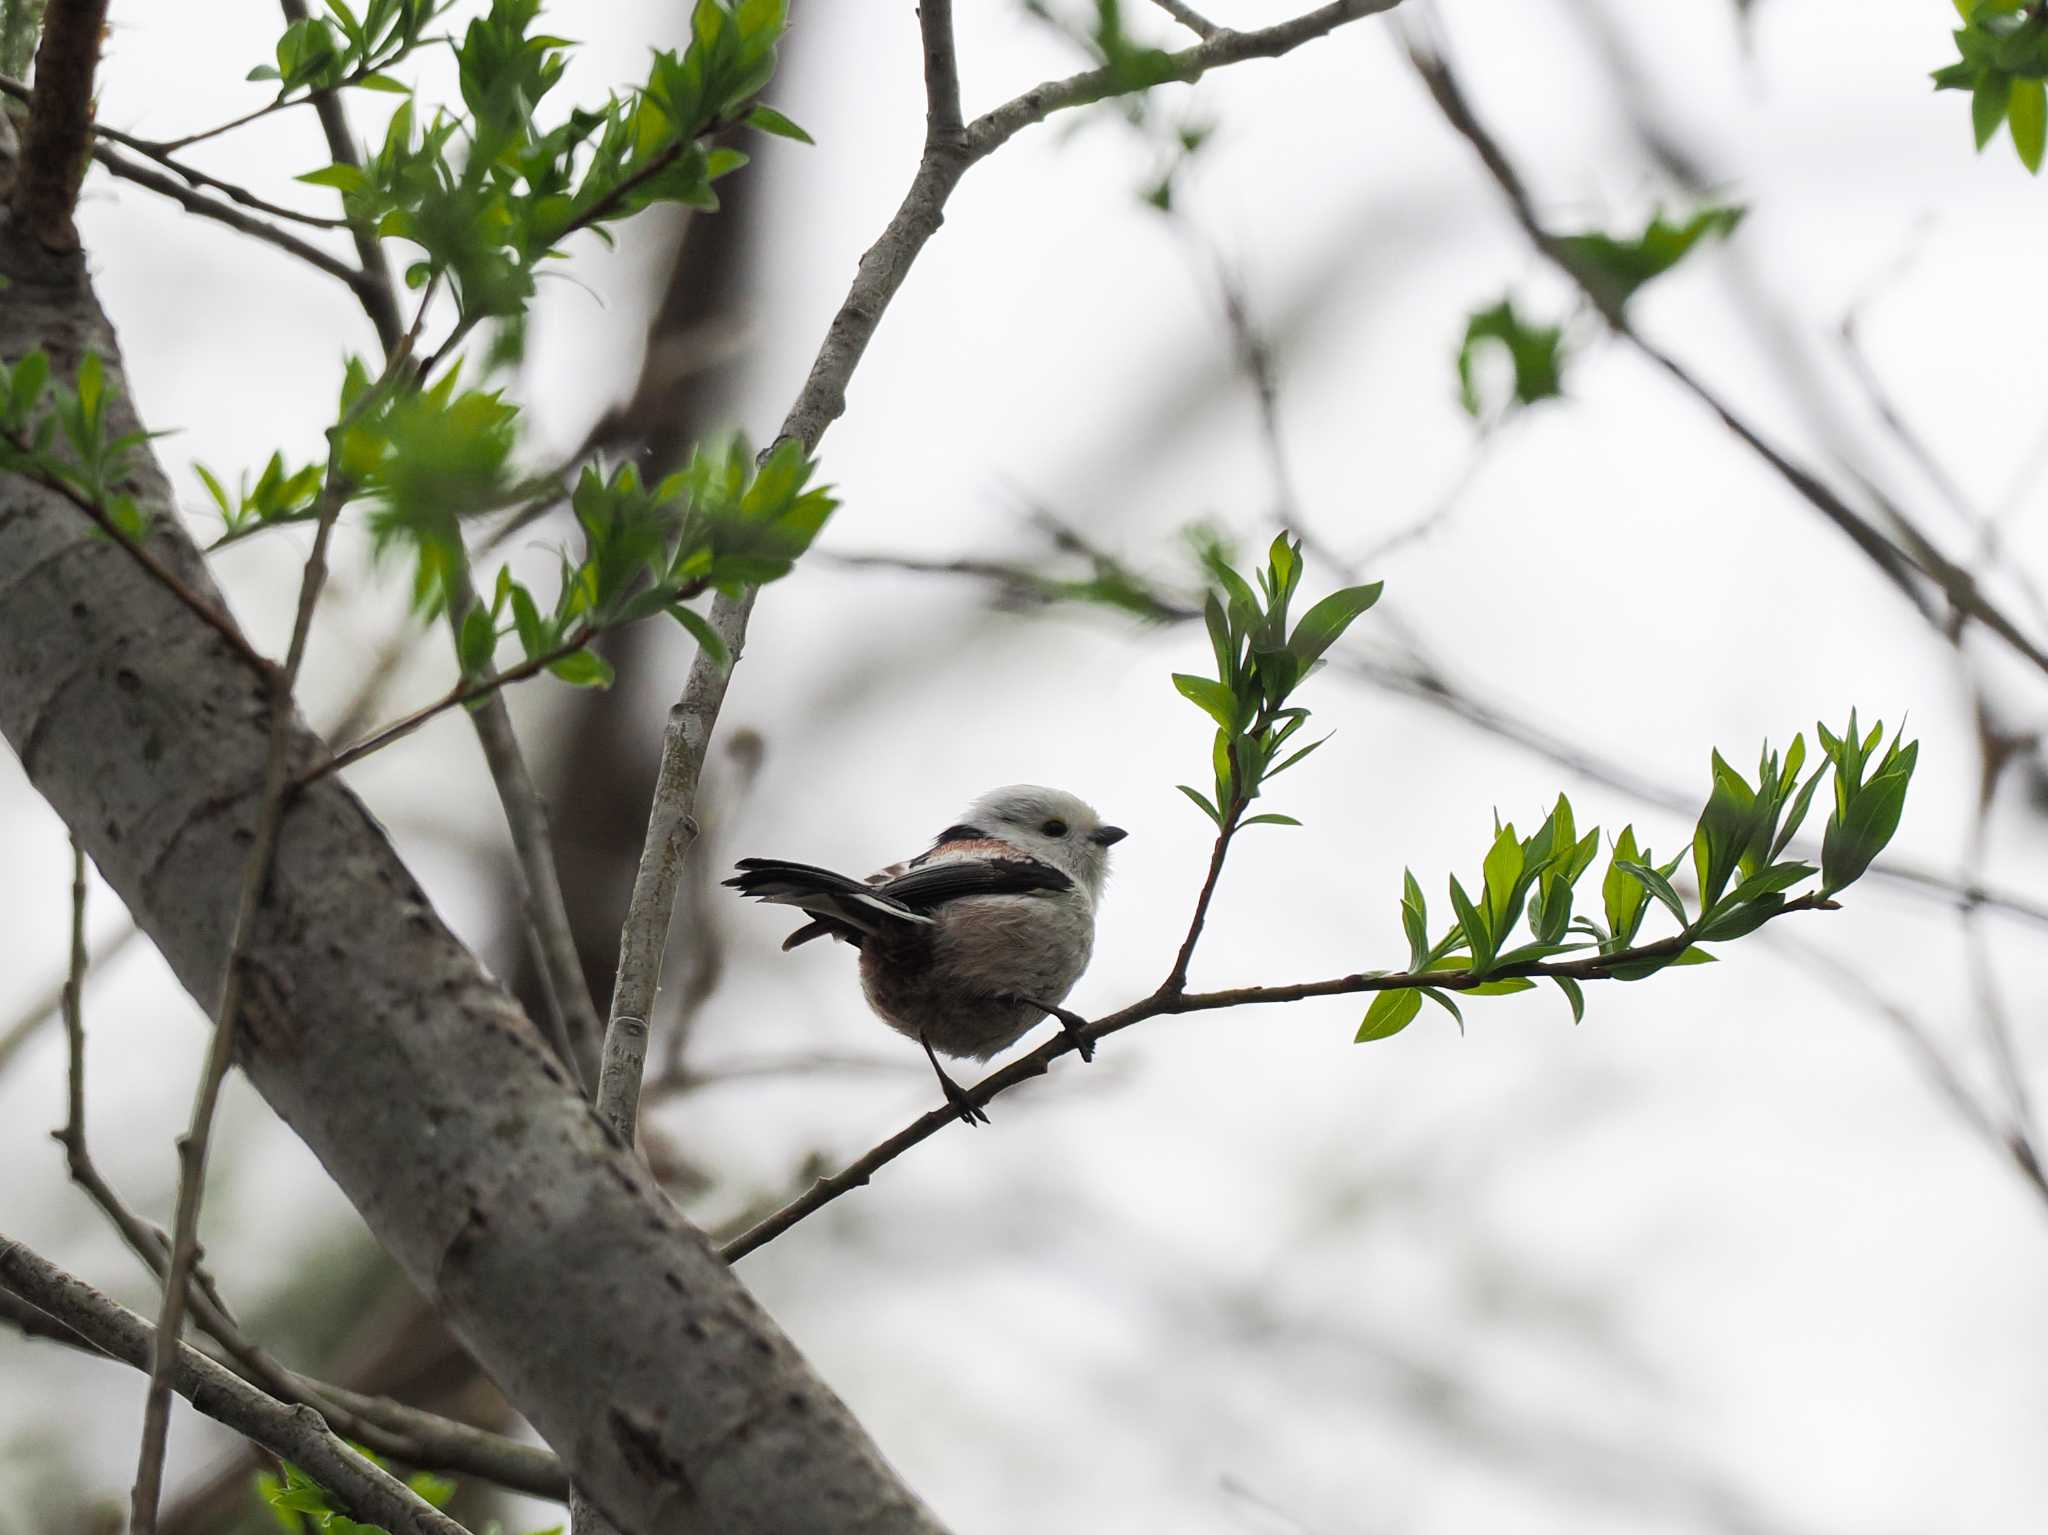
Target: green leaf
x,y
215,489
382,82
477,639
1643,969
31,376
1270,818
583,669
1501,988
343,178
708,639
1853,842
91,383
1211,696
1656,884
1275,772
1573,994
1201,799
1477,936
1988,103
432,1489
1324,624
1779,876
1443,1000
1536,352
1798,811
2027,114
1734,920
1503,875
1621,266
1390,1013
768,120
1414,920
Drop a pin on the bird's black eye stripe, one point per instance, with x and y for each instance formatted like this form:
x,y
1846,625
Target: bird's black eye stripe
x,y
1054,828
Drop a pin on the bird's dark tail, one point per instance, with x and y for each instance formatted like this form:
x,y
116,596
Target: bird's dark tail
x,y
839,906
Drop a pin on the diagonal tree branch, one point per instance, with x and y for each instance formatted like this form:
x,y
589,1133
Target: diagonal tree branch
x,y
296,1434
1912,569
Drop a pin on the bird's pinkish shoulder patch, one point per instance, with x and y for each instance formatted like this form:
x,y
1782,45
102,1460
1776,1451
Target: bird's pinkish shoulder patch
x,y
966,847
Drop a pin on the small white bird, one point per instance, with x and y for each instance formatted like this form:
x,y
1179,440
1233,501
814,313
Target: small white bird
x,y
971,942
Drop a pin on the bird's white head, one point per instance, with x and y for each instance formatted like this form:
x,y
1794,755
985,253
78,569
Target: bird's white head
x,y
1048,824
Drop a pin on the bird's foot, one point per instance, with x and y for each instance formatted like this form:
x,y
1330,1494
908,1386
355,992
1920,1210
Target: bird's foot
x,y
1072,1024
970,1112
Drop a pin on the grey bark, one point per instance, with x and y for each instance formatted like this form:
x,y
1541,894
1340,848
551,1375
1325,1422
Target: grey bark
x,y
676,1402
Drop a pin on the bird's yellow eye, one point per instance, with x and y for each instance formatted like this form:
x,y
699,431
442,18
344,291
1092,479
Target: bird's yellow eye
x,y
1054,828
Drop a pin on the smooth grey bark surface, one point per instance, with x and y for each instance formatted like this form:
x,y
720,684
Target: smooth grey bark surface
x,y
429,1097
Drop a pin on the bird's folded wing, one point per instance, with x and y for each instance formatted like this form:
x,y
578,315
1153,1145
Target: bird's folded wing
x,y
934,884
847,908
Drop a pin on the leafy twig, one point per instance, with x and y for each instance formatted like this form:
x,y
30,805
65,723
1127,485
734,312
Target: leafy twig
x,y
1164,1003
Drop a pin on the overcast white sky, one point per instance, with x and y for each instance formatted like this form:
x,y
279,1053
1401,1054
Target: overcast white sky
x,y
1718,1260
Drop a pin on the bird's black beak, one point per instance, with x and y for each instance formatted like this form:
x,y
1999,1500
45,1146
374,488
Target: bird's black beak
x,y
1107,836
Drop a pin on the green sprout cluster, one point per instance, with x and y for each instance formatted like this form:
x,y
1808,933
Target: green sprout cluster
x,y
1259,664
62,435
487,194
2002,61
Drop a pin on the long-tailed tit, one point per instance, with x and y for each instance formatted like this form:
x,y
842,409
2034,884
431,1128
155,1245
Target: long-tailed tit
x,y
971,942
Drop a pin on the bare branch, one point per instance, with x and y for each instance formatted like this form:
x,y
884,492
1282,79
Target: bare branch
x,y
51,1003
296,1434
995,128
206,207
190,174
1190,18
461,694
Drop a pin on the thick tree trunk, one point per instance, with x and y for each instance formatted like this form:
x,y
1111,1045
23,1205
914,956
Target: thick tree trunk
x,y
675,1400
